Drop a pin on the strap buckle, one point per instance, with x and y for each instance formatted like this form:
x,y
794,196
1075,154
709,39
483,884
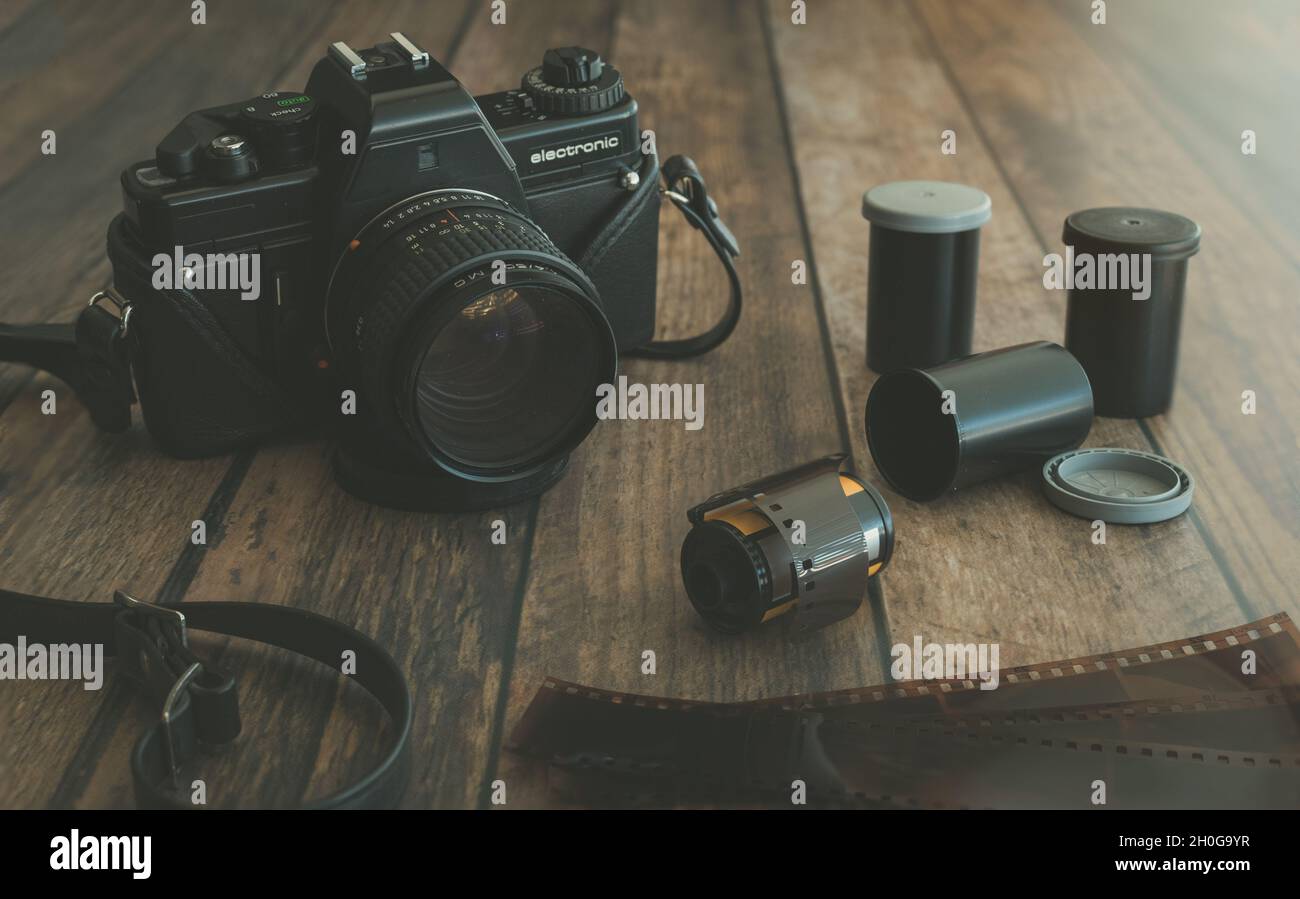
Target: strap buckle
x,y
166,640
684,185
102,377
154,648
123,308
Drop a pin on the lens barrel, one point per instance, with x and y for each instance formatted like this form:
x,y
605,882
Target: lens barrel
x,y
475,341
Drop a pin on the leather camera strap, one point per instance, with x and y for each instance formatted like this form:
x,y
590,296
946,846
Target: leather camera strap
x,y
199,706
684,185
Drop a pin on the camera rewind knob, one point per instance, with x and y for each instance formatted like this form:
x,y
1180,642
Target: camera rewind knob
x,y
574,81
571,66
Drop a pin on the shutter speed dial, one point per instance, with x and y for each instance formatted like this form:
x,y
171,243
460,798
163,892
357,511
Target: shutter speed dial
x,y
574,81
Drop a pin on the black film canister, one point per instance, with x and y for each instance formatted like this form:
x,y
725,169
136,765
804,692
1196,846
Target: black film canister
x,y
1008,410
799,546
1127,270
925,245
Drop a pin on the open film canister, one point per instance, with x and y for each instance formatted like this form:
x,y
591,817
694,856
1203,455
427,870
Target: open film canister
x,y
1128,270
800,545
923,264
936,430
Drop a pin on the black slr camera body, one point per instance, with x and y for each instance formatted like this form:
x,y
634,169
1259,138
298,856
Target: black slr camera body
x,y
442,280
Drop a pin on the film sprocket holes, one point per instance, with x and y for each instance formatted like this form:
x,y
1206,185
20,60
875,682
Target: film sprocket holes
x,y
1178,724
417,246
801,544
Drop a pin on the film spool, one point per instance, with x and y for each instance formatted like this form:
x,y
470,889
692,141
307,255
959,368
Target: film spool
x,y
800,543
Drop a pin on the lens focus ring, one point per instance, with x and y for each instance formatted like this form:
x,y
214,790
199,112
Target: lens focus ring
x,y
415,256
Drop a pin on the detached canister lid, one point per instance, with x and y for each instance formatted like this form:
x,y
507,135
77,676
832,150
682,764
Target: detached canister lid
x,y
1130,229
1121,486
926,207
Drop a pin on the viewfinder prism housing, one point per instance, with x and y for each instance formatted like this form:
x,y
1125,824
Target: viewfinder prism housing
x,y
800,544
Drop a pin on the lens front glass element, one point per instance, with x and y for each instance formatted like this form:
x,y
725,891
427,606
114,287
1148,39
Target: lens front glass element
x,y
510,377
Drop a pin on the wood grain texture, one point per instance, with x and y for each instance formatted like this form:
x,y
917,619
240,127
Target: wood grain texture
x,y
994,562
1071,133
1207,72
604,582
48,51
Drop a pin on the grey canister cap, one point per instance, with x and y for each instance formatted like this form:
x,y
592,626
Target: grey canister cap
x,y
1121,486
926,207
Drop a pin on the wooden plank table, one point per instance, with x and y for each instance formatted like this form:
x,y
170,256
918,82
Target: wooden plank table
x,y
790,123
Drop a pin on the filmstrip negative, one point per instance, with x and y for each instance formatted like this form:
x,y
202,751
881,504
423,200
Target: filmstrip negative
x,y
915,765
1208,722
1256,721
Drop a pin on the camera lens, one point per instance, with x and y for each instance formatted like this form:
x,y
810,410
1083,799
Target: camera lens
x,y
476,341
508,377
